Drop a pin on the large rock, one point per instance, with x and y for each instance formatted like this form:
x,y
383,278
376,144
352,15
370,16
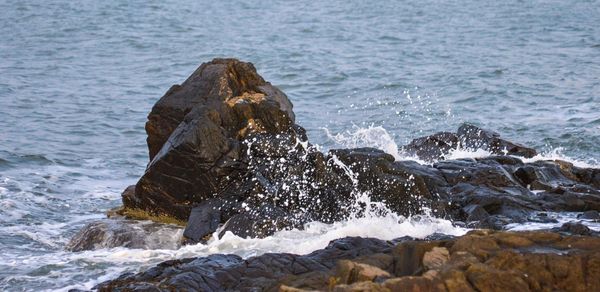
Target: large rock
x,y
479,261
196,134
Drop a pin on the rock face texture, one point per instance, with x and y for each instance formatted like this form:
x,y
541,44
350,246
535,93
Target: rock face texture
x,y
195,135
479,261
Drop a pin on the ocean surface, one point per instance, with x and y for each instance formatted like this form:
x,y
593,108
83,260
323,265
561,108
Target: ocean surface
x,y
78,78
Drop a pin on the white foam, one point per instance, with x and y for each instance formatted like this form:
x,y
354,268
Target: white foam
x,y
112,262
460,153
378,137
373,136
557,154
560,218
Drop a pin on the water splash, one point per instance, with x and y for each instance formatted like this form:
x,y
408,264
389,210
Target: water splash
x,y
60,271
378,137
372,136
557,154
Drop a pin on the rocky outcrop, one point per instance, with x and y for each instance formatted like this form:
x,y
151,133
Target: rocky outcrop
x,y
196,133
224,143
225,152
479,261
227,156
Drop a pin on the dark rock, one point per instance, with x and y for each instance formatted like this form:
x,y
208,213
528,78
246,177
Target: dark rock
x,y
479,261
542,218
473,137
230,272
204,220
494,222
591,215
221,80
260,222
575,228
432,148
475,212
405,186
439,145
195,135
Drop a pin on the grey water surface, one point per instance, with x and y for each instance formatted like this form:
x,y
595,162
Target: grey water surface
x,y
77,79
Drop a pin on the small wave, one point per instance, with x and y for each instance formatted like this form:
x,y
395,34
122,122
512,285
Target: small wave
x,y
35,158
373,136
560,219
557,154
106,264
378,137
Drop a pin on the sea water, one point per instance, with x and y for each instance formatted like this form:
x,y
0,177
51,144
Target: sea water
x,y
78,78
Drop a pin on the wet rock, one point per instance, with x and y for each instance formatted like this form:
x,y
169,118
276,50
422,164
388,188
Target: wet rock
x,y
542,218
473,137
204,220
260,222
475,213
225,141
126,233
575,228
478,261
591,215
468,137
195,135
433,147
405,186
230,272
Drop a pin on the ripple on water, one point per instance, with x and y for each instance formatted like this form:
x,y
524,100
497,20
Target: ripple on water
x,y
78,79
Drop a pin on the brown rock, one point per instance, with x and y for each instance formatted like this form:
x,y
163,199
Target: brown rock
x,y
456,281
476,244
350,272
485,278
361,287
409,255
414,284
436,258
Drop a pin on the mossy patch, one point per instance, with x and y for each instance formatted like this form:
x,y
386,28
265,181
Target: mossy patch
x,y
138,214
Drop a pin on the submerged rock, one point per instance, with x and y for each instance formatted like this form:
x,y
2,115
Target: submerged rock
x,y
479,261
126,233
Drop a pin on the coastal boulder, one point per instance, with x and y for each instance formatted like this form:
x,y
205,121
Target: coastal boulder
x,y
196,133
